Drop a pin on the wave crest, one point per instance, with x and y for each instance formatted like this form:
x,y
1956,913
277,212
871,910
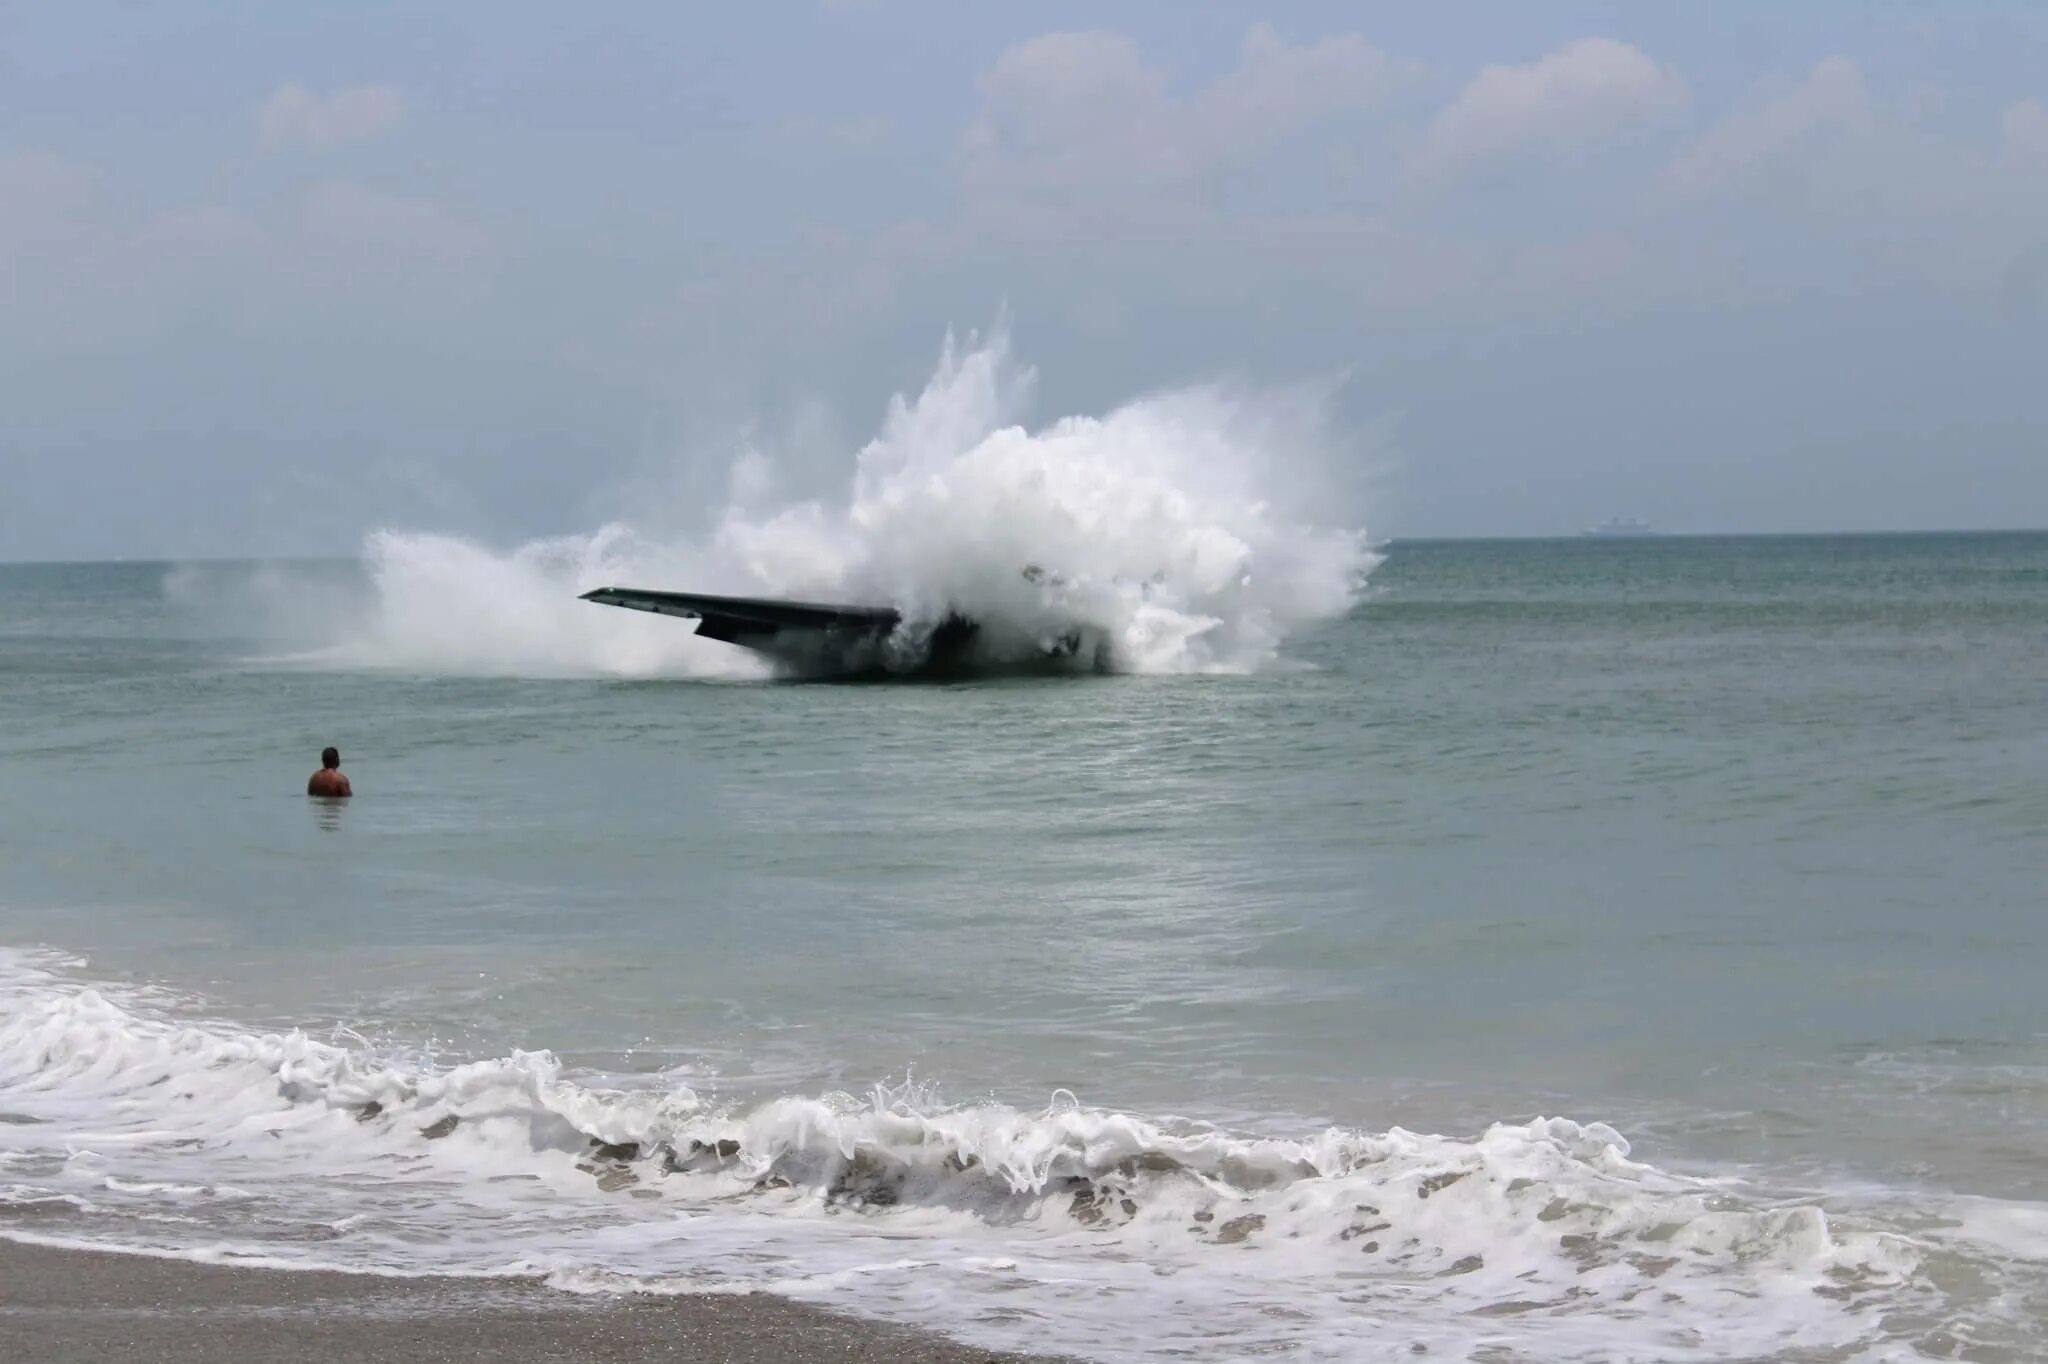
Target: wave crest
x,y
153,1131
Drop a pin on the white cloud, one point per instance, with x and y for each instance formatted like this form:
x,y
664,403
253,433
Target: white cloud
x,y
1585,91
1796,126
2026,136
297,116
88,272
857,132
40,198
1279,89
1072,116
339,213
1066,111
206,231
43,183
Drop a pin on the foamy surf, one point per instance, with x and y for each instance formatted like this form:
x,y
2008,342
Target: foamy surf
x,y
134,1120
1186,531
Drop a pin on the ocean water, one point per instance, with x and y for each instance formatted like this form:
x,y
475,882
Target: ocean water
x,y
1544,951
1577,950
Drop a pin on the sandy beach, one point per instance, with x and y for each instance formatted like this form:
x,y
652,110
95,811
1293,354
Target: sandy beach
x,y
61,1305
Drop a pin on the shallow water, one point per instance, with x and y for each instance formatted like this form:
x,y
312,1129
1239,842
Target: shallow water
x,y
1688,889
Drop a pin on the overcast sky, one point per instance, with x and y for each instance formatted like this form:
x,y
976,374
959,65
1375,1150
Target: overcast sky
x,y
273,276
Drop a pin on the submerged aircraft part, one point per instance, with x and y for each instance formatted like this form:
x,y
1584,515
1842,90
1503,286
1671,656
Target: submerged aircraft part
x,y
742,620
808,635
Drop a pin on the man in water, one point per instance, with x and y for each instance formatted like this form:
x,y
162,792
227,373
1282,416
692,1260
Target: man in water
x,y
329,781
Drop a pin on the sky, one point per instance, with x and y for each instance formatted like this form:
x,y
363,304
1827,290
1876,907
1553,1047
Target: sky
x,y
272,277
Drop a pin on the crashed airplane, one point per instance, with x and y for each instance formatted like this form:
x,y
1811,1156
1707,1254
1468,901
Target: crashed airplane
x,y
814,638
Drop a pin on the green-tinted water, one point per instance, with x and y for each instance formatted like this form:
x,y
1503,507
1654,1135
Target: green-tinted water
x,y
1737,845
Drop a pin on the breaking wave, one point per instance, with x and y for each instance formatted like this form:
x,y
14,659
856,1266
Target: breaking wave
x,y
1108,1234
1183,532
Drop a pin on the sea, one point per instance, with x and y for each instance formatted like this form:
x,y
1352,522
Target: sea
x,y
1590,949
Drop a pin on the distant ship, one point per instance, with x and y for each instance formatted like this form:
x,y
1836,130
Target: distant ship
x,y
1619,529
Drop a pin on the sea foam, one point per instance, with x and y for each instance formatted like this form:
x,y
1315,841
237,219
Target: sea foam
x,y
1115,1235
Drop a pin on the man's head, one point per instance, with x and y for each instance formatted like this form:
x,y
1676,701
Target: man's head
x,y
330,757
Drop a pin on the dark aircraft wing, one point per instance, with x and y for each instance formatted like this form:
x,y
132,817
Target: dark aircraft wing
x,y
749,620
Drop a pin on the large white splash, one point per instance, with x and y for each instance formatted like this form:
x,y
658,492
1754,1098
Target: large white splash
x,y
1182,530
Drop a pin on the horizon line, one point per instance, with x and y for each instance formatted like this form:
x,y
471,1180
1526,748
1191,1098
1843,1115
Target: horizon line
x,y
1493,538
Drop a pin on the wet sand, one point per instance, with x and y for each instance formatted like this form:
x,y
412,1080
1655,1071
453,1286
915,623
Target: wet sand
x,y
72,1305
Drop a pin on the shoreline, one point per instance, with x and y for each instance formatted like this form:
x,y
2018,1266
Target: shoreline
x,y
60,1305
